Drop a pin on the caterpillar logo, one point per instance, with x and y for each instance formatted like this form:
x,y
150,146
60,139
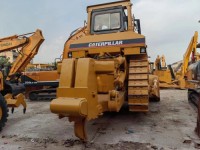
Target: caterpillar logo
x,y
108,43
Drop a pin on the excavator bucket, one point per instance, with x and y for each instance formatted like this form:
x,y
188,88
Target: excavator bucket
x,y
15,101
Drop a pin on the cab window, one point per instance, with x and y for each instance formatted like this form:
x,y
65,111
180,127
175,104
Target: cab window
x,y
108,21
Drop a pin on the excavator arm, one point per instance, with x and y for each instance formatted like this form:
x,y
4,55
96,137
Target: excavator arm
x,y
28,51
191,49
27,48
11,42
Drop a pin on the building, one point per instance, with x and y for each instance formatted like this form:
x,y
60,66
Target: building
x,y
12,55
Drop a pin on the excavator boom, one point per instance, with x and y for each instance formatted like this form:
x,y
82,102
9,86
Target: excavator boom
x,y
27,52
191,49
11,42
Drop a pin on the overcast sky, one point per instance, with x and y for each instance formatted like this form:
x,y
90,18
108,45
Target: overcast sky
x,y
167,24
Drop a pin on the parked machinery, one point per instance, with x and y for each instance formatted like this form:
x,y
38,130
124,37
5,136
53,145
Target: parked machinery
x,y
177,78
194,93
10,86
193,77
165,73
107,66
42,85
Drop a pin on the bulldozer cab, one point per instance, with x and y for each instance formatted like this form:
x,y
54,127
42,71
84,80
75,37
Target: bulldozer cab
x,y
110,18
110,28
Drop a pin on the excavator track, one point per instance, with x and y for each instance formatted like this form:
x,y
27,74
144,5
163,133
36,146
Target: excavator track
x,y
43,94
138,84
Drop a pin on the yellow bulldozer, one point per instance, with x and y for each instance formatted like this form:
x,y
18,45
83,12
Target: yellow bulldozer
x,y
106,67
11,89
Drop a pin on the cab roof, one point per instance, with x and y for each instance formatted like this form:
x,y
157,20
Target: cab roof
x,y
111,4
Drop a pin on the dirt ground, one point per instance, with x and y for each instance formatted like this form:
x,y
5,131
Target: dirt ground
x,y
169,124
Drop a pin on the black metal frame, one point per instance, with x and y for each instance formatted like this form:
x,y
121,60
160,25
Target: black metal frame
x,y
119,9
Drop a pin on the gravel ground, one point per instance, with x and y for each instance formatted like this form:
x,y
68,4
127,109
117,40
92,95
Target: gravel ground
x,y
169,124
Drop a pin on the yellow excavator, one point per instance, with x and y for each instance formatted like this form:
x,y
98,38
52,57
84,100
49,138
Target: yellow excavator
x,y
11,89
106,67
177,78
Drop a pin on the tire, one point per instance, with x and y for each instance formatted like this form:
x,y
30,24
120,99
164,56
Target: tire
x,y
33,96
4,112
